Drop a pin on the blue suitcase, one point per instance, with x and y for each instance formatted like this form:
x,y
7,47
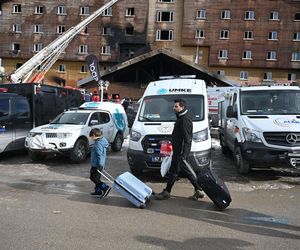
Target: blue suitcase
x,y
130,187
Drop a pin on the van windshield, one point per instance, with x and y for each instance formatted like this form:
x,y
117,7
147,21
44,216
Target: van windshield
x,y
71,118
160,108
271,102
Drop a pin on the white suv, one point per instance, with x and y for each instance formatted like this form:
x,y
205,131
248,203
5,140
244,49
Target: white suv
x,y
69,132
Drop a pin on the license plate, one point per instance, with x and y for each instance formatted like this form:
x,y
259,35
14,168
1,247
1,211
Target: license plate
x,y
156,159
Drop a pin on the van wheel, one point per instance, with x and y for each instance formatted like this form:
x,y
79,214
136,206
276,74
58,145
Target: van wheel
x,y
117,144
243,166
35,157
224,149
79,151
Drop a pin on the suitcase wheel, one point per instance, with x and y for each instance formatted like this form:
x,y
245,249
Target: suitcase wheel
x,y
142,206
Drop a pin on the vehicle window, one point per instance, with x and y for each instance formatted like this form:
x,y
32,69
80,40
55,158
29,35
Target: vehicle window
x,y
21,108
4,107
95,119
104,117
71,118
271,102
160,108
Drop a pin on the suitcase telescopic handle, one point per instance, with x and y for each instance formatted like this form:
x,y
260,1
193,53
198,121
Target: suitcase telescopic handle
x,y
106,175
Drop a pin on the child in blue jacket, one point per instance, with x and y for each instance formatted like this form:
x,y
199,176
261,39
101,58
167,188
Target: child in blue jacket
x,y
98,157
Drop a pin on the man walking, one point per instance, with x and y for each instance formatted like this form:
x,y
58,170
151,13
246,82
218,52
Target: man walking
x,y
182,136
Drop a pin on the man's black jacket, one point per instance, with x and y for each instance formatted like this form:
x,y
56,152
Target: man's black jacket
x,y
182,134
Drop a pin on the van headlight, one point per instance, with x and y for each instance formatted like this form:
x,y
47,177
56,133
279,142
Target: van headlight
x,y
63,135
135,136
200,135
251,135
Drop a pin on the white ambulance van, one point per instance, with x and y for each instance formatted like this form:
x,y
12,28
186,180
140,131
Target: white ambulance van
x,y
214,96
155,120
261,124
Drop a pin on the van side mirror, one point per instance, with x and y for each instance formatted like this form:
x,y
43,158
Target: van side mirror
x,y
230,113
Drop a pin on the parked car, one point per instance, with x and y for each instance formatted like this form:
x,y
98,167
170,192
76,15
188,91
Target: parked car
x,y
69,132
25,106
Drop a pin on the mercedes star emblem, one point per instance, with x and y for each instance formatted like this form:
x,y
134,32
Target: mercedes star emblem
x,y
291,138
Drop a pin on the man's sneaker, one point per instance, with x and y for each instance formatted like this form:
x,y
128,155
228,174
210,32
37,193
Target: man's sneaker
x,y
198,194
164,195
98,192
106,191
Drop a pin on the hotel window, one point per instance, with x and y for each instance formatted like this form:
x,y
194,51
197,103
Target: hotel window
x,y
247,54
37,47
296,56
129,12
271,55
221,72
84,10
16,47
243,75
248,35
296,36
164,35
268,76
16,28
38,9
223,54
17,8
297,16
201,14
274,15
84,31
105,50
62,68
273,35
38,28
106,30
83,49
225,14
130,53
129,31
107,12
249,15
200,34
291,77
62,10
60,29
224,34
18,65
165,16
84,68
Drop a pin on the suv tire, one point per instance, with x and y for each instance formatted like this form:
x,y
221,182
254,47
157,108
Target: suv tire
x,y
117,144
79,151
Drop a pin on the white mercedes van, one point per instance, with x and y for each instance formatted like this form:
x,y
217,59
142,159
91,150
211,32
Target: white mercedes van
x,y
155,120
